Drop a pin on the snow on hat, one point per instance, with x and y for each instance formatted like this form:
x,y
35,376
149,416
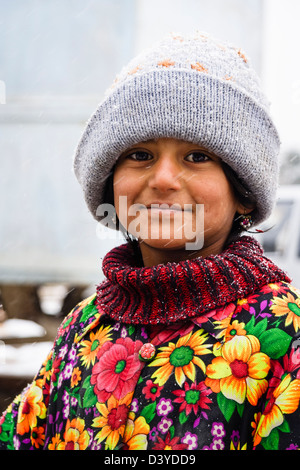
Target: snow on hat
x,y
191,88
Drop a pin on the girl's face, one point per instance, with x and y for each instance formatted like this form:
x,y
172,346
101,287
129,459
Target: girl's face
x,y
171,195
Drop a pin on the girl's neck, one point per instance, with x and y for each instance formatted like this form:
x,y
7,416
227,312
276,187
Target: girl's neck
x,y
152,256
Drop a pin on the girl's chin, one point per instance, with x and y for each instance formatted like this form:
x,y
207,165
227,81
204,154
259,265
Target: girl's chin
x,y
166,244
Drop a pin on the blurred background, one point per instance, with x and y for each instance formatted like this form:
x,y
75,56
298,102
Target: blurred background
x,y
57,57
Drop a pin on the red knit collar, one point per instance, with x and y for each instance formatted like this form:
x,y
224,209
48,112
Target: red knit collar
x,y
167,293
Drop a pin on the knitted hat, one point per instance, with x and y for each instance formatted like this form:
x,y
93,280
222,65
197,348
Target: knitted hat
x,y
190,88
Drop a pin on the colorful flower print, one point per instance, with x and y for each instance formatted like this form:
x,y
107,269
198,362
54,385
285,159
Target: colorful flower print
x,y
288,305
191,440
285,400
245,304
90,347
240,392
217,430
117,369
275,288
193,397
169,444
151,390
112,420
164,406
135,433
38,436
76,377
181,358
164,425
230,328
31,408
240,371
76,437
56,443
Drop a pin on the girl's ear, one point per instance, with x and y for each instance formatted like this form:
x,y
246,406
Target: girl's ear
x,y
243,210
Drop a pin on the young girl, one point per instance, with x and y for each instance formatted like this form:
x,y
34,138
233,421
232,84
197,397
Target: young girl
x,y
191,341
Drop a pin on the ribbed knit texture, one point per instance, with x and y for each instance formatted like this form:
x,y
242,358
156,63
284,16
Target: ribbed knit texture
x,y
194,89
168,293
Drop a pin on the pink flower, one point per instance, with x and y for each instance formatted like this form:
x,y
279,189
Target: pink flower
x,y
117,369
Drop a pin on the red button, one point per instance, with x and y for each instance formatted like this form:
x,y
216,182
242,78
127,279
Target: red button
x,y
147,352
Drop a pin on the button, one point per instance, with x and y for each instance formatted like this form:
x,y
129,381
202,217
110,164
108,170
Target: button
x,y
147,352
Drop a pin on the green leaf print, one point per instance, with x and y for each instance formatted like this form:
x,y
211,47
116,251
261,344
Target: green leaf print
x,y
226,406
149,412
274,343
88,311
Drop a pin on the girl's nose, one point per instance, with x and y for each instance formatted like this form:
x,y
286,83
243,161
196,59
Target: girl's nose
x,y
165,175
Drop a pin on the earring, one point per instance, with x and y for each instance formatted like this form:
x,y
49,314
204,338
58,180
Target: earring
x,y
246,221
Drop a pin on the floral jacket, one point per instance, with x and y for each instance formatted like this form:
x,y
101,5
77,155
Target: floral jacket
x,y
226,380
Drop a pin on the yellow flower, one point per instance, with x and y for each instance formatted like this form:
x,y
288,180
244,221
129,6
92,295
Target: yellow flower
x,y
112,420
56,443
181,358
31,408
285,400
76,437
90,348
135,434
290,306
238,446
242,302
240,370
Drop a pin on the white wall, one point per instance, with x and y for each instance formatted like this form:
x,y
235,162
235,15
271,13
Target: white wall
x,y
281,68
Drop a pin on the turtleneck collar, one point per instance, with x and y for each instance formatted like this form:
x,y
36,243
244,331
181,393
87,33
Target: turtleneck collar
x,y
170,292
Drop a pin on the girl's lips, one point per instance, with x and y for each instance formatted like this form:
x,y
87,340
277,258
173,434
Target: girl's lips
x,y
163,206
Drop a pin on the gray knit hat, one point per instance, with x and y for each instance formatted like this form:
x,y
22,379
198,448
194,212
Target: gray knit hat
x,y
190,88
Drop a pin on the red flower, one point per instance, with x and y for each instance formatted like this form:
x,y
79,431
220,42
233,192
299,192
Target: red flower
x,y
246,303
169,444
117,369
161,334
192,398
217,315
275,288
56,368
151,390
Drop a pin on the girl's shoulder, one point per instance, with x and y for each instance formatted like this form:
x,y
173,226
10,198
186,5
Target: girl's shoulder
x,y
270,315
280,300
83,317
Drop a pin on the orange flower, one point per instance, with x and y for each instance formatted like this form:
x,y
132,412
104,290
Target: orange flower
x,y
38,436
112,420
56,443
31,408
135,433
76,377
240,370
285,400
290,306
230,329
76,437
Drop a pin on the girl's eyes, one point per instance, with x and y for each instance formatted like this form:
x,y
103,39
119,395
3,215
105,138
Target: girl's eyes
x,y
140,156
195,157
